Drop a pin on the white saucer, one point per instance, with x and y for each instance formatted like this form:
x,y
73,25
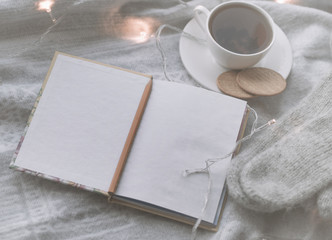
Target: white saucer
x,y
201,66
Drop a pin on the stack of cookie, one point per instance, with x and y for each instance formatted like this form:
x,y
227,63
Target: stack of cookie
x,y
251,82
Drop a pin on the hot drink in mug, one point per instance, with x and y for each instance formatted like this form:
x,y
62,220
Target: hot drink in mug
x,y
238,34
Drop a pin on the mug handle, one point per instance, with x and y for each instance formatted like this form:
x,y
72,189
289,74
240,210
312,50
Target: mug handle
x,y
201,20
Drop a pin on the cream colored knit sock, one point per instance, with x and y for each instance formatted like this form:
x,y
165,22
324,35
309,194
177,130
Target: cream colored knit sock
x,y
324,203
291,162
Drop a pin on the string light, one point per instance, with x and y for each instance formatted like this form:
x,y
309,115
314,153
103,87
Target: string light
x,y
138,30
46,5
209,162
132,28
161,50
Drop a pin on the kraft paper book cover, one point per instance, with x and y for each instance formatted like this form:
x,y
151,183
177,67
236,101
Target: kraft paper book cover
x,y
120,133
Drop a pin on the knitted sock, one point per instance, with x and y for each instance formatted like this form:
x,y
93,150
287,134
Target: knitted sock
x,y
324,203
289,163
291,171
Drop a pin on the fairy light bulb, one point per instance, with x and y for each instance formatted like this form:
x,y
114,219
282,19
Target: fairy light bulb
x,y
46,5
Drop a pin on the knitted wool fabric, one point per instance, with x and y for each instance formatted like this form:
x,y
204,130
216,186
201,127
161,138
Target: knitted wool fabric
x,y
278,170
324,203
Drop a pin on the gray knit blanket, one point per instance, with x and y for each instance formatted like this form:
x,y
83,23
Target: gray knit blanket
x,y
279,184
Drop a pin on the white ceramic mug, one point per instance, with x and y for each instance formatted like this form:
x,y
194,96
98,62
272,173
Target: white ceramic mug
x,y
238,34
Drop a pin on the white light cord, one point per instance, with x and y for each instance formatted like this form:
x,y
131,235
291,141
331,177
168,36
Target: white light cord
x,y
160,48
209,162
48,30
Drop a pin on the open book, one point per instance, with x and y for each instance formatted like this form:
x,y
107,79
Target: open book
x,y
113,131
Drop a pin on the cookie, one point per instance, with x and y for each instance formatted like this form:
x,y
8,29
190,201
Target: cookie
x,y
261,81
227,84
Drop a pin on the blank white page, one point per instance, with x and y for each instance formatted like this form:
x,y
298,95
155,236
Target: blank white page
x,y
81,122
182,126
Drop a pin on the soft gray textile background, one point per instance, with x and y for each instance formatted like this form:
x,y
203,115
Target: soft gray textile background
x,y
34,208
